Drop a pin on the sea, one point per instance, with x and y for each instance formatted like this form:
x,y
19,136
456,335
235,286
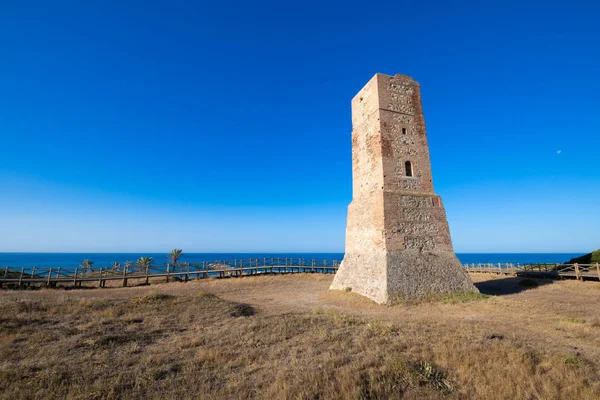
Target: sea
x,y
73,260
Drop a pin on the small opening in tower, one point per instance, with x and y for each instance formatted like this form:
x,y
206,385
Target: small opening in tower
x,y
408,168
404,131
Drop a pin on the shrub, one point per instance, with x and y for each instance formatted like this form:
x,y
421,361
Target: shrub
x,y
242,310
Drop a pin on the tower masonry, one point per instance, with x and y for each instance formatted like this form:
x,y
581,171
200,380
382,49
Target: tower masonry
x,y
398,242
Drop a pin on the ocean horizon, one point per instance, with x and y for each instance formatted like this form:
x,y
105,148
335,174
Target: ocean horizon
x,y
73,260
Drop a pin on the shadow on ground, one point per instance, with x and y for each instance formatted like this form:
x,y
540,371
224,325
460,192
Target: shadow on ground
x,y
510,285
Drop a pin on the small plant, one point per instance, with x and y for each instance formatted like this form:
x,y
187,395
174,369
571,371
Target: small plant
x,y
153,297
576,320
243,310
572,361
347,289
206,295
495,336
528,283
430,374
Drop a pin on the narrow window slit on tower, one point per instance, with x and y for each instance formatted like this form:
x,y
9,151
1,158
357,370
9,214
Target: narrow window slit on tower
x,y
404,131
408,168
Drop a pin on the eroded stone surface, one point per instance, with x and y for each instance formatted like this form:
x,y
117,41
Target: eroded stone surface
x,y
398,242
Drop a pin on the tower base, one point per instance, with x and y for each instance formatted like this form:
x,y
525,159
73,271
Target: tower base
x,y
388,277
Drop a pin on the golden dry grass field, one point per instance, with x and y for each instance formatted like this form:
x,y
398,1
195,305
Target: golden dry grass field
x,y
288,337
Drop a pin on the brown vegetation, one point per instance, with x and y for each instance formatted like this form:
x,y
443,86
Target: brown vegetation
x,y
288,337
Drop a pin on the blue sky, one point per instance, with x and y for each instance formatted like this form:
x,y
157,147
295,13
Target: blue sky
x,y
225,126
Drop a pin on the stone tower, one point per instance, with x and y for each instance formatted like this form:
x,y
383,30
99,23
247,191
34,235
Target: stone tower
x,y
398,242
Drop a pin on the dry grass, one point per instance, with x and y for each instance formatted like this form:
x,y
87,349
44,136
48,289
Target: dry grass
x,y
288,337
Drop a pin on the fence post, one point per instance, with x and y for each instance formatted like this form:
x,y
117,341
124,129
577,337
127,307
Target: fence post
x,y
187,274
100,280
75,278
125,276
168,271
6,271
21,278
598,270
577,270
58,273
49,277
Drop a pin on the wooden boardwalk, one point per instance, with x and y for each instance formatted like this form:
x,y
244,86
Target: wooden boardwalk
x,y
556,271
184,272
52,277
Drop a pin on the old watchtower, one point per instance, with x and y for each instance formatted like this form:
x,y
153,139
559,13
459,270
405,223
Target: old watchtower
x,y
398,243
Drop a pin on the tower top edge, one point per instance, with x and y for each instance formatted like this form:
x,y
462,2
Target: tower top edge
x,y
382,80
399,76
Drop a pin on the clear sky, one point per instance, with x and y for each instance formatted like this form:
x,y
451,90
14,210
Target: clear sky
x,y
225,126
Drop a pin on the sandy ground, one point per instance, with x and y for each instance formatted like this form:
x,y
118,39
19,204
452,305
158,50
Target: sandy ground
x,y
564,315
556,313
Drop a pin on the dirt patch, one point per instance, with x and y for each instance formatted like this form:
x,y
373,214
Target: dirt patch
x,y
290,337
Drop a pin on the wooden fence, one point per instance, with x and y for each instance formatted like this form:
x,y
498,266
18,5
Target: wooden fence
x,y
182,272
220,269
577,271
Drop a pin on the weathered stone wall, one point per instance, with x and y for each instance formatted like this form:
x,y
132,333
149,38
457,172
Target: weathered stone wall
x,y
416,222
403,135
397,237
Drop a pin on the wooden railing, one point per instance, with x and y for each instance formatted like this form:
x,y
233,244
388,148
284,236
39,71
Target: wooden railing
x,y
20,277
578,271
181,272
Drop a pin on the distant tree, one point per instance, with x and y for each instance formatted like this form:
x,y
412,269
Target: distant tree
x,y
86,266
128,264
174,257
116,266
144,262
